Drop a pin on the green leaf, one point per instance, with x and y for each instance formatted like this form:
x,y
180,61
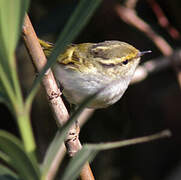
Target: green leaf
x,y
17,158
11,18
4,172
89,151
77,21
61,135
74,167
4,157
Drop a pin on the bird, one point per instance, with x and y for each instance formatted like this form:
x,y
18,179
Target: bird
x,y
86,68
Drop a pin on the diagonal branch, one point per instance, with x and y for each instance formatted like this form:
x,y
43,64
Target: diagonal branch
x,y
130,17
163,20
54,97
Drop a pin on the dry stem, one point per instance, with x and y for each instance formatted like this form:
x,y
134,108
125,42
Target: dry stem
x,y
54,97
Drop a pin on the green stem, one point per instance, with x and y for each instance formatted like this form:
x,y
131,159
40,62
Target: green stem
x,y
16,81
26,132
22,114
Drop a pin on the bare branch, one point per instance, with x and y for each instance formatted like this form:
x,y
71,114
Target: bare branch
x,y
163,20
150,67
130,17
54,97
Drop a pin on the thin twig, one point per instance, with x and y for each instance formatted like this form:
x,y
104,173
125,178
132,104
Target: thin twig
x,y
152,66
54,97
130,17
163,20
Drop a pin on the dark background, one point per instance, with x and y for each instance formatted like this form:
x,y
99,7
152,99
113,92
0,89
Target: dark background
x,y
147,107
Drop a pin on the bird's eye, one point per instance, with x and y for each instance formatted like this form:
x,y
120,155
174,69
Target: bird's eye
x,y
125,62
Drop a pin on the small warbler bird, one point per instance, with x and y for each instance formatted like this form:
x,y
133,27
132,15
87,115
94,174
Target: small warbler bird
x,y
84,69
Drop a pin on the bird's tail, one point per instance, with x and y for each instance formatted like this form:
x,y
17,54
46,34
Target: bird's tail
x,y
46,46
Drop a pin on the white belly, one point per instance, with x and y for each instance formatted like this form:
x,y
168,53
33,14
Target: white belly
x,y
78,87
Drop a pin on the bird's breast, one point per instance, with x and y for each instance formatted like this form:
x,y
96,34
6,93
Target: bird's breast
x,y
78,86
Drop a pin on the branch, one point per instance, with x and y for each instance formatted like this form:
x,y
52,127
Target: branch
x,y
54,97
153,66
84,116
163,20
130,17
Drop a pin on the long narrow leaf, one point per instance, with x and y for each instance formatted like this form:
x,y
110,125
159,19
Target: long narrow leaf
x,y
61,134
74,167
5,157
4,171
11,18
77,21
88,152
17,157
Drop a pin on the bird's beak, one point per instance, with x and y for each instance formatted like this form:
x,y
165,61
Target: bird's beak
x,y
143,53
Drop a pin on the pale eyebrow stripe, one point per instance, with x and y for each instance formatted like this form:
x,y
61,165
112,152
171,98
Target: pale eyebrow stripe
x,y
106,47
